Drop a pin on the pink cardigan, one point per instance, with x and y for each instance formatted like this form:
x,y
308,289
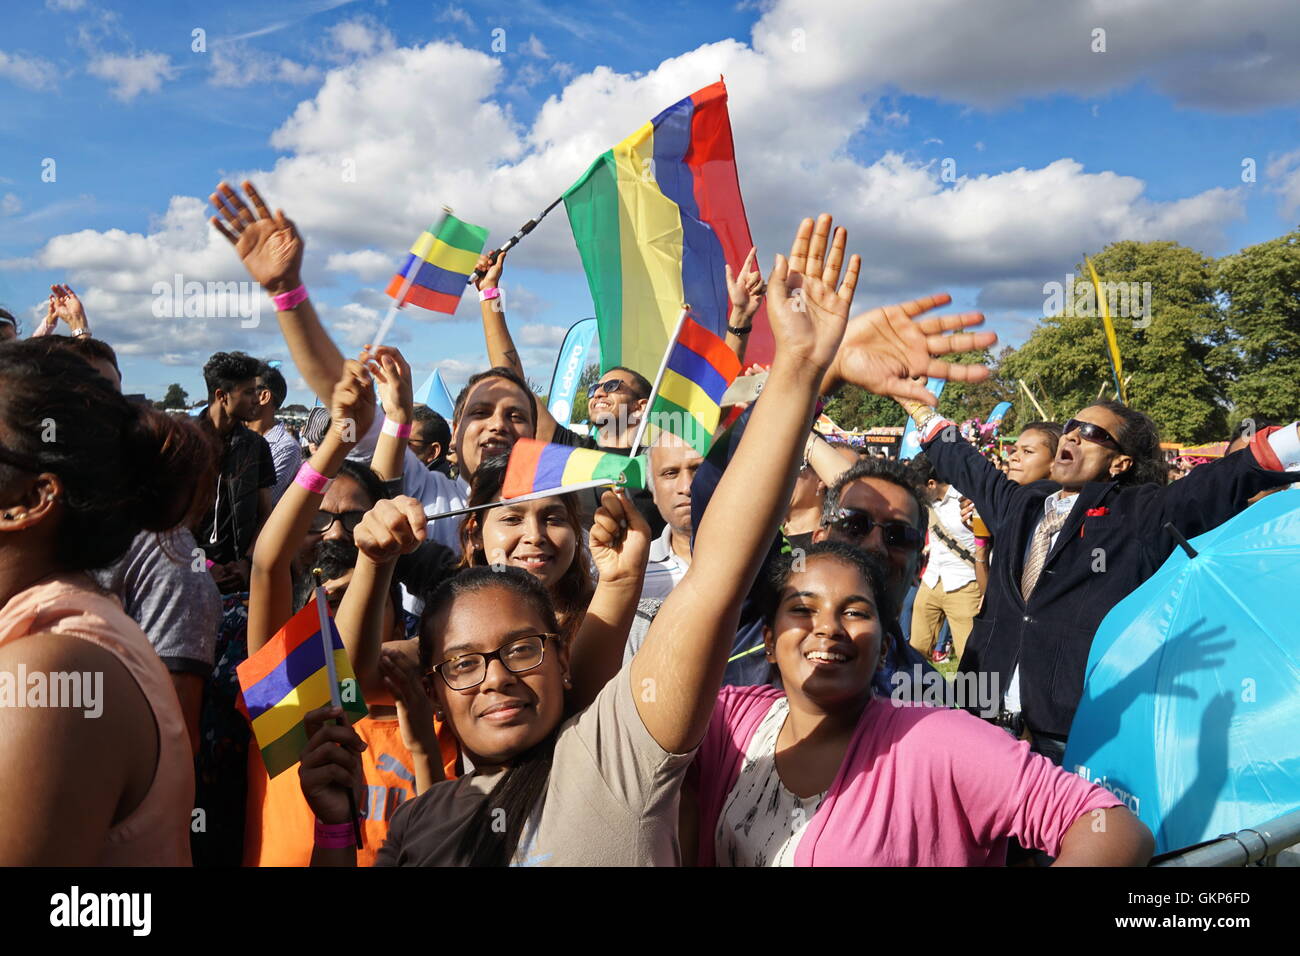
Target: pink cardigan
x,y
919,786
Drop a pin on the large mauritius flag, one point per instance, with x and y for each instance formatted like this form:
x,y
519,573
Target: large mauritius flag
x,y
656,220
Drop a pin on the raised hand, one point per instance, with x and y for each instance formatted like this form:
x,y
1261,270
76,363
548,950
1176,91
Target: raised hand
x,y
330,766
414,707
491,271
807,303
269,246
619,539
393,527
884,349
393,375
745,290
352,405
65,305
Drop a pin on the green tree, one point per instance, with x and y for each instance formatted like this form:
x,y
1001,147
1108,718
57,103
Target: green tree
x,y
1260,287
1171,357
854,409
176,397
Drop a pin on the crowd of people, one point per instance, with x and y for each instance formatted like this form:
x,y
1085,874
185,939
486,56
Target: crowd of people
x,y
717,670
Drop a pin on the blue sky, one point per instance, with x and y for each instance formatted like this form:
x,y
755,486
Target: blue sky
x,y
1058,147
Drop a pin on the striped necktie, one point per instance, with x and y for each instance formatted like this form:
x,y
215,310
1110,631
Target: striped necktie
x,y
1038,549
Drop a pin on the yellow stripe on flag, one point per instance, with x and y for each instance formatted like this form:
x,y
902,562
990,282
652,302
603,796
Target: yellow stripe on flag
x,y
312,693
650,246
438,253
682,391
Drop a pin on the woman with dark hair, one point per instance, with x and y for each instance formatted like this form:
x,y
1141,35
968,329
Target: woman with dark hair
x,y
82,472
822,772
1072,545
542,536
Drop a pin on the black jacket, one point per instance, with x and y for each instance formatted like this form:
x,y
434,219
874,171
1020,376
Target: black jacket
x,y
1098,560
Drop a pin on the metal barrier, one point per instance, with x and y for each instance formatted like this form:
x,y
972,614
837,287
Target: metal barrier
x,y
1253,846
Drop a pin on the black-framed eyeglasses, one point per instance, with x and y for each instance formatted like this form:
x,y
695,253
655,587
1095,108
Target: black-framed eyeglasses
x,y
322,521
469,670
609,387
1093,433
897,534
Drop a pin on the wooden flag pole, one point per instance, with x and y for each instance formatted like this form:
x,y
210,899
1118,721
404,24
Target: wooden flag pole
x,y
654,389
407,281
332,674
1032,399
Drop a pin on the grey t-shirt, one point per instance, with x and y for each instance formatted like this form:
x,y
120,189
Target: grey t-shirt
x,y
178,607
611,799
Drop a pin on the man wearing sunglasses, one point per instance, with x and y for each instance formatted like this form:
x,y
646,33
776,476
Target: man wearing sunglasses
x,y
1071,547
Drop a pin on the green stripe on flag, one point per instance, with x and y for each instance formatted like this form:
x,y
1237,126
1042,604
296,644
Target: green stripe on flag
x,y
462,235
671,417
592,205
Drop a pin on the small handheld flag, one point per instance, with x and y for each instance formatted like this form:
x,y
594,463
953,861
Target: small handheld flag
x,y
439,265
290,677
540,467
687,395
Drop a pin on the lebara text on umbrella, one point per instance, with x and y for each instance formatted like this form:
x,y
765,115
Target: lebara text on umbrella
x,y
1128,799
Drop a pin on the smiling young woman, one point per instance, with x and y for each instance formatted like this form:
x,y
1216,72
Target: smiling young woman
x,y
823,773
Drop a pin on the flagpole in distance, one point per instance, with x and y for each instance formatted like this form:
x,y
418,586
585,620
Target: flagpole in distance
x,y
407,281
513,241
332,674
659,377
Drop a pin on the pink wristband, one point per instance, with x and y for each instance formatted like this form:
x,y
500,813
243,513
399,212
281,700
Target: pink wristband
x,y
334,836
287,300
492,293
311,479
397,431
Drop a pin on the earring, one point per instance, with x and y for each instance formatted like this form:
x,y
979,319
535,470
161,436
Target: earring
x,y
567,682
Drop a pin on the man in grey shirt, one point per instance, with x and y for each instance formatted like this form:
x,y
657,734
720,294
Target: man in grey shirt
x,y
286,453
176,604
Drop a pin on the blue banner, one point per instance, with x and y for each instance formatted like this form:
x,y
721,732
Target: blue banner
x,y
910,446
577,352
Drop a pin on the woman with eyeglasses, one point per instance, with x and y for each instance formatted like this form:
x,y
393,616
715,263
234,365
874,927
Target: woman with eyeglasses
x,y
312,527
1072,545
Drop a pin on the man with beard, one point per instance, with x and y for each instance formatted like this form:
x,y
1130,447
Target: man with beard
x,y
243,494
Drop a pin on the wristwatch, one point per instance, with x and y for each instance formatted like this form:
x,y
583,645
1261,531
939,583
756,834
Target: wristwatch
x,y
78,333
745,331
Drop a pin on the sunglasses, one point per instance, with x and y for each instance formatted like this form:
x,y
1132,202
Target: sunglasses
x,y
609,388
324,520
897,534
1093,433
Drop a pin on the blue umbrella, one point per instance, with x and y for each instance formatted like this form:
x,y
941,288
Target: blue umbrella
x,y
1191,701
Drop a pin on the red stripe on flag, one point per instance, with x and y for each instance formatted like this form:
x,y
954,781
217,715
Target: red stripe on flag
x,y
712,161
711,348
418,295
300,628
522,468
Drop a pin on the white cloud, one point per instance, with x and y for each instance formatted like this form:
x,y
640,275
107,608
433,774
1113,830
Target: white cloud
x,y
1222,56
10,204
455,14
1284,175
359,37
130,75
65,6
366,264
534,47
31,72
541,336
238,66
